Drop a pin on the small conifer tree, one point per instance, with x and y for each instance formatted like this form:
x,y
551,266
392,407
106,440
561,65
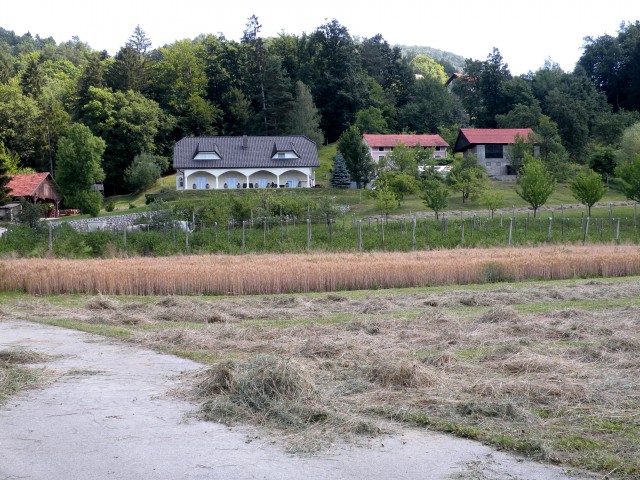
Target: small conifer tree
x,y
340,177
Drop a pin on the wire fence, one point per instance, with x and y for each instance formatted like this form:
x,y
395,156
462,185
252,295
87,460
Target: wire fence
x,y
290,234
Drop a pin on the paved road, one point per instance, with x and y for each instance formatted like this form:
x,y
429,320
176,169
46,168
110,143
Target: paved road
x,y
108,417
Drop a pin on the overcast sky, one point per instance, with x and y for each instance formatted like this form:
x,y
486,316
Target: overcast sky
x,y
526,33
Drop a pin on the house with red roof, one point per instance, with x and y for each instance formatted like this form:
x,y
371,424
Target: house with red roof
x,y
491,146
35,188
381,145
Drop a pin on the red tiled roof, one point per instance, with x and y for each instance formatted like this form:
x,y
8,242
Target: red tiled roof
x,y
477,136
25,185
408,140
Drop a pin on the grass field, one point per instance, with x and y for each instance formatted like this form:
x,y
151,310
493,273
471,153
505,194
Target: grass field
x,y
546,369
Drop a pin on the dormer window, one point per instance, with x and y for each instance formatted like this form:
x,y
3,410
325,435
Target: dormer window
x,y
285,155
206,156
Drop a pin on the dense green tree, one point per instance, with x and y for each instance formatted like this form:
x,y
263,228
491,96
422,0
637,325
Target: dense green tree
x,y
430,105
630,142
129,71
402,159
92,75
19,124
435,195
608,127
371,120
337,80
552,152
428,67
143,172
385,201
4,180
179,74
278,97
467,177
237,112
628,172
603,160
587,188
535,183
32,78
303,117
79,156
482,91
128,123
612,64
356,155
400,183
521,116
340,177
517,151
387,66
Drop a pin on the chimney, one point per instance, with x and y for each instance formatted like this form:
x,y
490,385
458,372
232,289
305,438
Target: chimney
x,y
245,142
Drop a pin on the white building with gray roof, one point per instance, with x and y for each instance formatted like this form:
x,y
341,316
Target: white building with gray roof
x,y
245,162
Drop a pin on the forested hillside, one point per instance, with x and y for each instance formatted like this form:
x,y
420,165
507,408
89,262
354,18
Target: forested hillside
x,y
143,99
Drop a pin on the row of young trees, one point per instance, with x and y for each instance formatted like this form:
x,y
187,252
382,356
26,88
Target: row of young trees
x,y
413,170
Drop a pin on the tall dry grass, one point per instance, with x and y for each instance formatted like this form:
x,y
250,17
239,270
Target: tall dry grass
x,y
313,272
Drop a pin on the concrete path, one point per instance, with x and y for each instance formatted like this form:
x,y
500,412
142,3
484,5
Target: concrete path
x,y
108,417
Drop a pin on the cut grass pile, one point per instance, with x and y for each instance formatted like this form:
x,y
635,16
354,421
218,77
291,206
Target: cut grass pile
x,y
550,370
14,376
313,272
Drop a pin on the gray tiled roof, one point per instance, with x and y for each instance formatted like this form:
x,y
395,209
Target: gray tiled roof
x,y
257,154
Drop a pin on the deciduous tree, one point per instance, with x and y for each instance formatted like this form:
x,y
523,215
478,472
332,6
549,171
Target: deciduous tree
x,y
435,195
79,156
628,171
535,182
587,188
467,177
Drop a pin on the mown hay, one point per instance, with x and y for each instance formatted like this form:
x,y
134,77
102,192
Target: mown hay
x,y
499,314
101,303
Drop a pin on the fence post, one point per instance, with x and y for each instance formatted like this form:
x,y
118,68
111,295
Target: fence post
x,y
50,239
215,229
549,230
308,234
243,238
510,228
330,231
124,235
462,233
618,231
382,230
586,232
360,235
413,233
